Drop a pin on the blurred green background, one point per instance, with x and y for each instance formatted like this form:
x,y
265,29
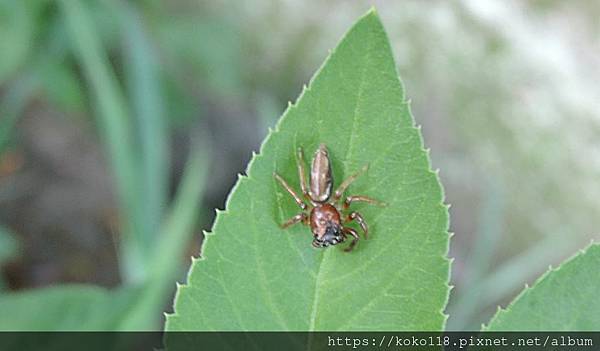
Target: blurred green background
x,y
123,125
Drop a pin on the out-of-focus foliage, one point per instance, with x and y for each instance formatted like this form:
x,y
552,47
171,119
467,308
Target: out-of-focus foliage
x,y
66,308
152,234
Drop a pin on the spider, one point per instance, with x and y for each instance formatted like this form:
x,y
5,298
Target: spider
x,y
324,212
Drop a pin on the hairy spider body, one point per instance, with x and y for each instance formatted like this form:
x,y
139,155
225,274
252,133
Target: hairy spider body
x,y
325,209
326,226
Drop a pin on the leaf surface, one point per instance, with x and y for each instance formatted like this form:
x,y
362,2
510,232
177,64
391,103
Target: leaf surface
x,y
255,276
563,299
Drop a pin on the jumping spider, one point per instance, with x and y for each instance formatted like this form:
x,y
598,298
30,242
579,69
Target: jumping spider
x,y
325,211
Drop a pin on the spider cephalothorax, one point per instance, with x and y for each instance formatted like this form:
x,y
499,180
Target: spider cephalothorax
x,y
324,208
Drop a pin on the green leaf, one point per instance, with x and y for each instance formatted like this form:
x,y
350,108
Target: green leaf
x,y
142,71
115,130
73,307
563,299
255,276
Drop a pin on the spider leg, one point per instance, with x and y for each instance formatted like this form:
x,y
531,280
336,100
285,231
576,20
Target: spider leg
x,y
355,216
346,183
291,191
302,172
359,198
301,217
354,235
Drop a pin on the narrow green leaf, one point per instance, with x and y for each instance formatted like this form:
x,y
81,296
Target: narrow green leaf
x,y
173,237
71,307
255,276
143,82
563,299
114,122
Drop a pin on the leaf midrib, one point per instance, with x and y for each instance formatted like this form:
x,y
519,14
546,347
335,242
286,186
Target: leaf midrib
x,y
318,284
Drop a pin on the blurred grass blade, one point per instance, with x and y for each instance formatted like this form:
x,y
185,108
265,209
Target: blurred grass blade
x,y
114,123
508,278
142,74
478,263
174,235
64,308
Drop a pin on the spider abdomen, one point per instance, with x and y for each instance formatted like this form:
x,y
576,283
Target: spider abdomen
x,y
320,176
